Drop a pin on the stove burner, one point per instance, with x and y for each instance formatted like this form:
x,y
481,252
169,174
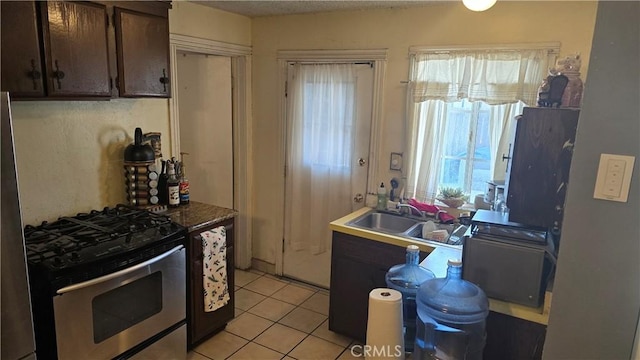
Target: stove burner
x,y
96,235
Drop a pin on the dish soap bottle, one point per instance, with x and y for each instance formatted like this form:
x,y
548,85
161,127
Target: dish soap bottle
x,y
184,182
382,197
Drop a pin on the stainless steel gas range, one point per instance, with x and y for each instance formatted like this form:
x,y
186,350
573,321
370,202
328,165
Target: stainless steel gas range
x,y
108,284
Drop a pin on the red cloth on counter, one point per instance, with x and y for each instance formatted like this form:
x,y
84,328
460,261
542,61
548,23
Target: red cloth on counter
x,y
433,209
424,206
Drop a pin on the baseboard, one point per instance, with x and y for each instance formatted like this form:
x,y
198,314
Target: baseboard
x,y
261,265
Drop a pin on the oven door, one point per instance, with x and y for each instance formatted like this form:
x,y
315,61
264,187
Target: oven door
x,y
106,316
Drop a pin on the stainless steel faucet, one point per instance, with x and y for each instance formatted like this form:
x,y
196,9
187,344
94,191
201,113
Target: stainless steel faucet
x,y
410,208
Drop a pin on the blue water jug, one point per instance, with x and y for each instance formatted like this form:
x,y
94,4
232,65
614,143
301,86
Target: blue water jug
x,y
451,318
406,278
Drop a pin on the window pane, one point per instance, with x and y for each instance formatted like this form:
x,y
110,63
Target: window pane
x,y
482,152
455,144
328,119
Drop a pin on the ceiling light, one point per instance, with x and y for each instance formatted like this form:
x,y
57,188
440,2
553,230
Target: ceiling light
x,y
478,5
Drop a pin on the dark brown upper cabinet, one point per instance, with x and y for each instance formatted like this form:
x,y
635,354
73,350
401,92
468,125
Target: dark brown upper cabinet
x,y
21,62
76,51
142,42
79,50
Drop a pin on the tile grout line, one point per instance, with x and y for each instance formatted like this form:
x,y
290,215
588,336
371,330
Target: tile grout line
x,y
313,289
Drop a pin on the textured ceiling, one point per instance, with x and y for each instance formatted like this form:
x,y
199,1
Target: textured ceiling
x,y
286,7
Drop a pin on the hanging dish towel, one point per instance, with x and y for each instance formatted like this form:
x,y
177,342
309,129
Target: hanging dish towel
x,y
214,268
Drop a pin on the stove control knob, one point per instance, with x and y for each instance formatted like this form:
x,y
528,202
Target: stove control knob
x,y
75,256
163,230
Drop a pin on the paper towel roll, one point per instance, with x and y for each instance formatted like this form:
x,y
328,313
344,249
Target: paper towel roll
x,y
384,325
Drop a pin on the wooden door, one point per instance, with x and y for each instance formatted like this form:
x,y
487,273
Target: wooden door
x,y
21,61
328,134
539,172
76,49
142,42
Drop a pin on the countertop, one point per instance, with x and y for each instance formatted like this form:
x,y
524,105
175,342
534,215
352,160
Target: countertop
x,y
436,261
196,215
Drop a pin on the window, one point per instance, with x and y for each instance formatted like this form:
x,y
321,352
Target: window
x,y
465,158
462,103
326,119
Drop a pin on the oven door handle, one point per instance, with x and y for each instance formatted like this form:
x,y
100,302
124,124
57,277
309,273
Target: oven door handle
x,y
118,273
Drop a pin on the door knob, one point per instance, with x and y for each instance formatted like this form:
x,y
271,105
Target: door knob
x,y
358,198
362,161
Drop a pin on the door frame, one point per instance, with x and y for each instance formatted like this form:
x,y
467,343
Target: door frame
x,y
379,59
242,124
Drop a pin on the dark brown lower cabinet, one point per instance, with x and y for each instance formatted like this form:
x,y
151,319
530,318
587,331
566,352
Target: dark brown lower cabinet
x,y
200,324
358,266
513,338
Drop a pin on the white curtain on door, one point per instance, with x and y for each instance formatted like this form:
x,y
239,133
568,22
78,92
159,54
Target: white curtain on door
x,y
504,79
320,134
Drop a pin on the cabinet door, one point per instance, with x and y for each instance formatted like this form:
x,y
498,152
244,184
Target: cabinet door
x,y
512,338
539,173
201,324
142,42
357,266
21,62
76,49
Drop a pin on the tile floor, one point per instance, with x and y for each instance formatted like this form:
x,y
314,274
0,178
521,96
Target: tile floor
x,y
276,318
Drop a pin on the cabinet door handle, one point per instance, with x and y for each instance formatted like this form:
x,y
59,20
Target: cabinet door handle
x,y
34,74
164,80
58,75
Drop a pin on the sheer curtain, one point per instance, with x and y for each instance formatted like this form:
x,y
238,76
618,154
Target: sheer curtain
x,y
504,79
321,117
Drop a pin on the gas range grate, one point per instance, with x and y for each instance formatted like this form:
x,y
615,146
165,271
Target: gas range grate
x,y
111,233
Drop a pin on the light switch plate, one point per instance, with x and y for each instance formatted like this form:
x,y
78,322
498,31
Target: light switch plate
x,y
614,177
395,163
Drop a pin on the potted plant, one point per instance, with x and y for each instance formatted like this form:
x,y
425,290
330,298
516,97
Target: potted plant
x,y
453,197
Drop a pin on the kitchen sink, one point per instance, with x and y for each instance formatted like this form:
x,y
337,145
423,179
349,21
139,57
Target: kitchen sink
x,y
384,222
407,227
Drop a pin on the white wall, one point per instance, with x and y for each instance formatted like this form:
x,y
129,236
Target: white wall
x,y
444,23
187,18
69,153
204,85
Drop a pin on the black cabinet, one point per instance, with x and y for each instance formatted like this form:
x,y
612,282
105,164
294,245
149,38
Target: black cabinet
x,y
358,266
539,173
200,324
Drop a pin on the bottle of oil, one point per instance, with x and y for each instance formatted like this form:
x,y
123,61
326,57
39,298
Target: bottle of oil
x,y
173,186
184,182
163,196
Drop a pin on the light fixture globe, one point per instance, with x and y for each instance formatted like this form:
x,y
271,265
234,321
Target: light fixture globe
x,y
478,5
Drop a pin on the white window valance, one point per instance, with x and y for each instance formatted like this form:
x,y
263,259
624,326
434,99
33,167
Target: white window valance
x,y
493,75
